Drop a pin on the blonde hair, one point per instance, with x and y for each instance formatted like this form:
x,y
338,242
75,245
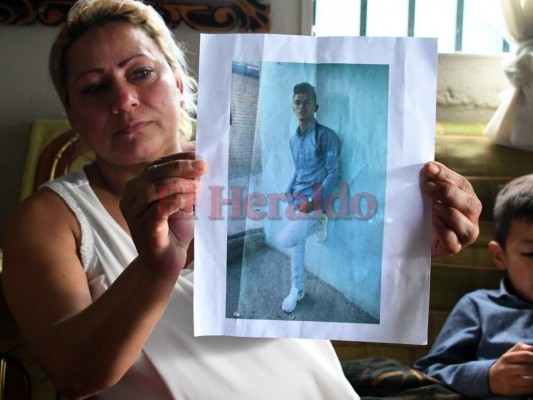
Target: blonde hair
x,y
90,14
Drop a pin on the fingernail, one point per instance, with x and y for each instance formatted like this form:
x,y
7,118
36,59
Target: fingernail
x,y
198,165
433,169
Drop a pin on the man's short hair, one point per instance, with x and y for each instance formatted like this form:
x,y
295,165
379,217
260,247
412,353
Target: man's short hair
x,y
514,202
304,88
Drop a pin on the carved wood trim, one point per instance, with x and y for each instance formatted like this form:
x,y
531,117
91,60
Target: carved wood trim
x,y
202,15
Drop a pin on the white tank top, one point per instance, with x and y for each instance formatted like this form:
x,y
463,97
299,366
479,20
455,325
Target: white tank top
x,y
174,364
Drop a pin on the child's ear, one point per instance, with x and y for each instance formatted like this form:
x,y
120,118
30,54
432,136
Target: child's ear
x,y
498,255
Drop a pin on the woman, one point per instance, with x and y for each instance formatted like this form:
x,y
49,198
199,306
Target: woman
x,y
106,304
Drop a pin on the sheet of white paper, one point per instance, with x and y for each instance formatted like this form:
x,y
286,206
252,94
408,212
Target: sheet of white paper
x,y
369,280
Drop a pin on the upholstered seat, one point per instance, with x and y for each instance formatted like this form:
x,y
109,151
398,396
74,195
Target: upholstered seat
x,y
52,152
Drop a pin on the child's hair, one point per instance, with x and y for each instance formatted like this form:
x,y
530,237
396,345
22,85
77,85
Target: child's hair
x,y
513,203
304,88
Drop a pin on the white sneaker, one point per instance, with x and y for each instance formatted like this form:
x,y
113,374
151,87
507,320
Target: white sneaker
x,y
322,234
289,304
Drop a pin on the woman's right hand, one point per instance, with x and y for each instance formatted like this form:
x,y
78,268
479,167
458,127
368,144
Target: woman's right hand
x,y
158,207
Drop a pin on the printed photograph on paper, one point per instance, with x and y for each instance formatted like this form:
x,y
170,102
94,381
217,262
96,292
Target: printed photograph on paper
x,y
310,221
308,166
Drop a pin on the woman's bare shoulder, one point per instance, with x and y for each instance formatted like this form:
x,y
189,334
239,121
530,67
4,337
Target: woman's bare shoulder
x,y
41,227
44,210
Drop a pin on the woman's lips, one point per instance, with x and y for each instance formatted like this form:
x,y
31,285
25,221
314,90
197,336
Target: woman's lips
x,y
132,127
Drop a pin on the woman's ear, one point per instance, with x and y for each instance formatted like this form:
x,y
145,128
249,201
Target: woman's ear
x,y
498,255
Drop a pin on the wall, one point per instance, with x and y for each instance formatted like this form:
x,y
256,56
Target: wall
x,y
468,87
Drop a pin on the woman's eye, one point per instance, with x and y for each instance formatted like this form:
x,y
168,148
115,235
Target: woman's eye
x,y
93,88
142,73
527,254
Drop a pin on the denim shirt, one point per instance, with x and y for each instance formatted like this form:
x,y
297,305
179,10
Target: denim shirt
x,y
315,153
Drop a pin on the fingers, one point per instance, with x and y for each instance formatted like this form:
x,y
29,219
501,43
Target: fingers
x,y
177,198
434,170
181,165
168,184
455,209
521,346
451,189
512,373
444,240
520,357
167,195
455,224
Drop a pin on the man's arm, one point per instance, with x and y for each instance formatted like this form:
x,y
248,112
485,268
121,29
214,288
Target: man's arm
x,y
290,187
329,146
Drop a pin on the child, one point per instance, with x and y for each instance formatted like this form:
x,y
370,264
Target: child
x,y
484,348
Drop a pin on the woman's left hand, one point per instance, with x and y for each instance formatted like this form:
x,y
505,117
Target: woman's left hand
x,y
455,209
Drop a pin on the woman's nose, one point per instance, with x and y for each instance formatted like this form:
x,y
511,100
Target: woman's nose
x,y
124,98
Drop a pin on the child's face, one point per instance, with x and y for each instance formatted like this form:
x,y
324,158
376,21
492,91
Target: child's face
x,y
517,258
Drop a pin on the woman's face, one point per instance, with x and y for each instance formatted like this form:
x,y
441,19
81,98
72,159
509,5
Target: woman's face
x,y
124,98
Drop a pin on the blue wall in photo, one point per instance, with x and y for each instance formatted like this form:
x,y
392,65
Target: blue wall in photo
x,y
353,101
